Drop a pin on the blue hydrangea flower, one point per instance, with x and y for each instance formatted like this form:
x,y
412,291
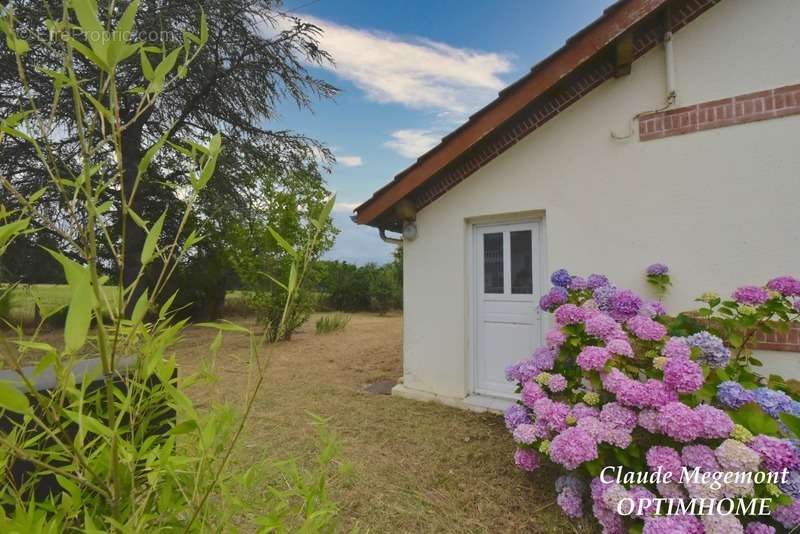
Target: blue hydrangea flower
x,y
657,269
773,402
561,278
712,351
733,395
792,485
604,297
516,415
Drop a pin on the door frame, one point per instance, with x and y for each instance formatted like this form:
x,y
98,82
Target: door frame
x,y
472,319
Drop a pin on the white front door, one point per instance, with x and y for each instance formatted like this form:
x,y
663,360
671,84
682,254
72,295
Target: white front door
x,y
506,289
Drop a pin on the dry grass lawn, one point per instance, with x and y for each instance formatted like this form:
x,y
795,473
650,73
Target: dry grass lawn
x,y
415,467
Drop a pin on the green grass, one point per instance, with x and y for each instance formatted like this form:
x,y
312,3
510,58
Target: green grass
x,y
330,322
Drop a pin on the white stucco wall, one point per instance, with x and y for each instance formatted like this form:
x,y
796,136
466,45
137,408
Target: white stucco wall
x,y
719,207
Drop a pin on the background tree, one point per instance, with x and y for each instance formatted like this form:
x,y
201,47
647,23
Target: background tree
x,y
254,59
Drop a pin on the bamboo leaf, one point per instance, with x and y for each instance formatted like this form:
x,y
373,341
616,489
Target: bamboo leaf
x,y
151,240
285,245
79,314
140,308
13,399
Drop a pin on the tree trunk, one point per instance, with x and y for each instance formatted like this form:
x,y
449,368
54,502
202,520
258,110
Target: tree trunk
x,y
134,234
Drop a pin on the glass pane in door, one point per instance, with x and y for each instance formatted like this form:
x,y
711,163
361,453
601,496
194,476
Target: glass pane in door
x,y
493,263
521,263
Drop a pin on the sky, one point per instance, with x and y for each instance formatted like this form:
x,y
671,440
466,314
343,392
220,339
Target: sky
x,y
409,72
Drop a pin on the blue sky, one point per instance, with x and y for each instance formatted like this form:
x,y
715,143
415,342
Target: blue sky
x,y
409,73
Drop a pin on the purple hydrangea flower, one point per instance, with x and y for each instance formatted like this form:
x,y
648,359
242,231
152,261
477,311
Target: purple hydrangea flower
x,y
524,433
788,286
772,401
680,422
683,375
777,454
796,305
716,423
657,269
733,395
792,485
615,414
625,304
570,502
666,458
620,346
712,351
676,347
604,297
788,516
648,419
652,308
543,359
569,314
516,415
554,298
557,383
527,460
601,325
757,527
579,283
531,392
572,447
752,295
700,456
596,280
554,338
561,278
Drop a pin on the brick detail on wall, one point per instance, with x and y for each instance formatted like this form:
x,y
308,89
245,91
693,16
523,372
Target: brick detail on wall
x,y
784,341
741,109
569,91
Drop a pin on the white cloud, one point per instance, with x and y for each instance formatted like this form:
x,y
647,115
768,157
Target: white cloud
x,y
345,207
350,161
417,73
412,143
357,244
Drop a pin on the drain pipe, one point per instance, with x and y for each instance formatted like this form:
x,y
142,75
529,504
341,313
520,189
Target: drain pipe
x,y
390,240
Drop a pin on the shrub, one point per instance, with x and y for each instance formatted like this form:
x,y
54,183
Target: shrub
x,y
620,384
347,287
331,322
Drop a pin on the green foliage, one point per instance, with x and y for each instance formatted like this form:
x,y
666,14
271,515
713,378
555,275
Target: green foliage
x,y
347,287
331,322
134,454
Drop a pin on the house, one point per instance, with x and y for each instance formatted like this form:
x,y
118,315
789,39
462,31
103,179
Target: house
x,y
667,130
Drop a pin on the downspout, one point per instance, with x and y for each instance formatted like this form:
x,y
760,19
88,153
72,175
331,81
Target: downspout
x,y
672,93
390,240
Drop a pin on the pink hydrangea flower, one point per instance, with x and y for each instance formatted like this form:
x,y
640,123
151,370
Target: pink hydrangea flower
x,y
569,314
660,394
554,338
648,419
645,328
777,454
557,383
716,423
531,392
736,456
581,410
616,414
527,460
788,286
700,456
572,447
680,422
666,458
683,375
593,358
676,347
601,325
620,347
752,295
524,433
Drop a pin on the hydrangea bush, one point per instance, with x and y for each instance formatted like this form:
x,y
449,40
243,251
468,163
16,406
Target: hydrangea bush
x,y
620,383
